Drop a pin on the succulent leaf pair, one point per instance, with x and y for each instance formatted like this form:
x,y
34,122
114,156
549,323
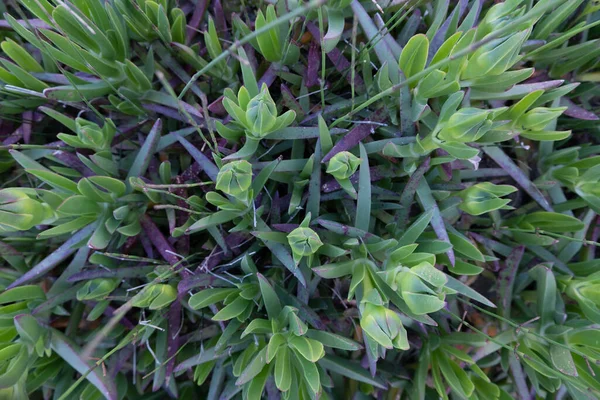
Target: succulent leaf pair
x,y
342,166
20,212
485,197
304,241
255,116
382,324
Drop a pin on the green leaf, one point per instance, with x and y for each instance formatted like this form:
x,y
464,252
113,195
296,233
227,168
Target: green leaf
x,y
15,357
334,341
137,77
228,333
276,341
335,28
71,355
465,290
464,268
254,367
335,270
79,92
310,374
63,119
459,150
218,218
232,310
261,179
350,369
446,48
465,247
414,55
257,384
416,229
270,299
546,135
28,80
549,23
67,227
422,304
54,180
142,160
20,56
40,8
22,293
563,360
112,185
306,348
546,293
206,297
325,136
363,205
456,378
281,252
283,371
258,326
553,222
79,205
248,74
164,27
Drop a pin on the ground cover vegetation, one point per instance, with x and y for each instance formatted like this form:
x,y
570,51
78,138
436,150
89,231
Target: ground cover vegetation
x,y
342,199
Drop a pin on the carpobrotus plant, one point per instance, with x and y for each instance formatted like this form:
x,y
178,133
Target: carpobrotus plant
x,y
345,199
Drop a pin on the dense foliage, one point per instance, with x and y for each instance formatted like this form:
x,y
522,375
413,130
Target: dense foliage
x,y
334,199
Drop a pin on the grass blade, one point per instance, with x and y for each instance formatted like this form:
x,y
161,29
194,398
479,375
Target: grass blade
x,y
363,206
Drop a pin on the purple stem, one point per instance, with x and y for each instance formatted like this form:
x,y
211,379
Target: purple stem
x,y
146,245
313,65
233,241
377,173
446,167
110,311
173,113
532,87
216,107
517,174
120,360
576,111
122,272
193,281
518,376
289,100
594,238
207,165
72,161
56,300
126,132
268,77
196,19
354,136
173,330
23,131
183,244
158,240
33,22
507,277
287,228
220,22
408,194
440,36
28,117
437,221
336,56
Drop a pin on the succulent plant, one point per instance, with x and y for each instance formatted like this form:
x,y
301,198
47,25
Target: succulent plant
x,y
299,199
